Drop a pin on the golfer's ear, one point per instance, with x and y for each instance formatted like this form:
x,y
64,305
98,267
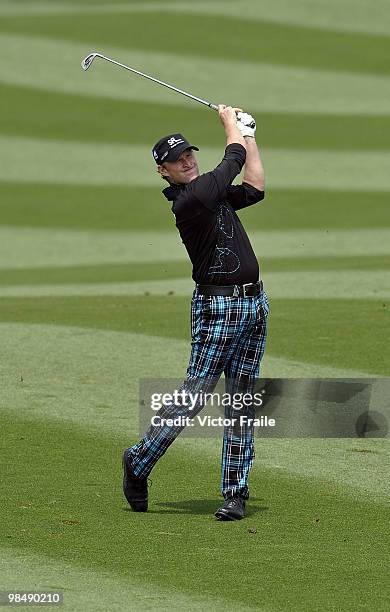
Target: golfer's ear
x,y
162,171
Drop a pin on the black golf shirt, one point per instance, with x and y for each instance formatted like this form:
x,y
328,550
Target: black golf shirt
x,y
205,211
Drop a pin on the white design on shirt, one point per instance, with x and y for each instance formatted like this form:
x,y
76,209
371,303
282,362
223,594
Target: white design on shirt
x,y
225,261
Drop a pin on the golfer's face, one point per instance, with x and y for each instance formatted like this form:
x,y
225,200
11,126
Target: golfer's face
x,y
184,170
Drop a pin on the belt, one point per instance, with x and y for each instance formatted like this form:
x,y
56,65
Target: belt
x,y
247,290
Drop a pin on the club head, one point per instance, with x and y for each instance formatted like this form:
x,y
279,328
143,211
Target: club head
x,y
87,61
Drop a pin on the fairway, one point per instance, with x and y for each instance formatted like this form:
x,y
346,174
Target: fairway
x,y
95,290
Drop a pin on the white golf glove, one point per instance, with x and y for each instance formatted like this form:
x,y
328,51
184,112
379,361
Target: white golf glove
x,y
246,124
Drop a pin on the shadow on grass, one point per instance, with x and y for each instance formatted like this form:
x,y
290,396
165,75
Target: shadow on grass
x,y
199,506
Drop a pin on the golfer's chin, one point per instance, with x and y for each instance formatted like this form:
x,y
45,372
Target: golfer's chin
x,y
190,175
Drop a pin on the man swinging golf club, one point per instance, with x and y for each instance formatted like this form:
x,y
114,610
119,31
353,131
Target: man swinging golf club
x,y
229,307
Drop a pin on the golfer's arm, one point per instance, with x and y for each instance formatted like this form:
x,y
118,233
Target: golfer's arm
x,y
253,169
233,135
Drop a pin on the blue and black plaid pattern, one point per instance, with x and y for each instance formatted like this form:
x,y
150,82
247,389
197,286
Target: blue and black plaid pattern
x,y
228,336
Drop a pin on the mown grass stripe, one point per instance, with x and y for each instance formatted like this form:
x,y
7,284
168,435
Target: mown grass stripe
x,y
324,330
318,284
54,112
326,14
317,49
99,383
261,86
40,205
60,7
87,164
101,590
166,270
25,247
107,388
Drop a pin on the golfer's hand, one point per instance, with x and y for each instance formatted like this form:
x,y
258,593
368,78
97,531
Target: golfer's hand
x,y
246,124
228,115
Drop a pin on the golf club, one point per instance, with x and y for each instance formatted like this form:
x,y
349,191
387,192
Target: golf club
x,y
87,61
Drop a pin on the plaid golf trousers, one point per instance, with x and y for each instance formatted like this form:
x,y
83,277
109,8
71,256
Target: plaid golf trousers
x,y
228,336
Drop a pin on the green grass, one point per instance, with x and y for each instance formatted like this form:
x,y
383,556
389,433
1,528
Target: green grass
x,y
54,113
135,208
112,273
277,44
315,535
329,332
301,535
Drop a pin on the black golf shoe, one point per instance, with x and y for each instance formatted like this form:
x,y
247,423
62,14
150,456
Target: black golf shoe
x,y
134,488
232,510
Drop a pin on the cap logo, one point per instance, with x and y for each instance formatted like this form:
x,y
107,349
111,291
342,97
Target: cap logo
x,y
155,155
164,156
173,142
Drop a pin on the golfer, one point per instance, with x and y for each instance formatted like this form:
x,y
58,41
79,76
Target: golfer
x,y
229,307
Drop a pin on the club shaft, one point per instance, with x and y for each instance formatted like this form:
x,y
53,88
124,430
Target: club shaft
x,y
146,76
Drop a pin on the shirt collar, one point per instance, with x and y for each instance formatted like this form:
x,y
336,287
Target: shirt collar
x,y
172,192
